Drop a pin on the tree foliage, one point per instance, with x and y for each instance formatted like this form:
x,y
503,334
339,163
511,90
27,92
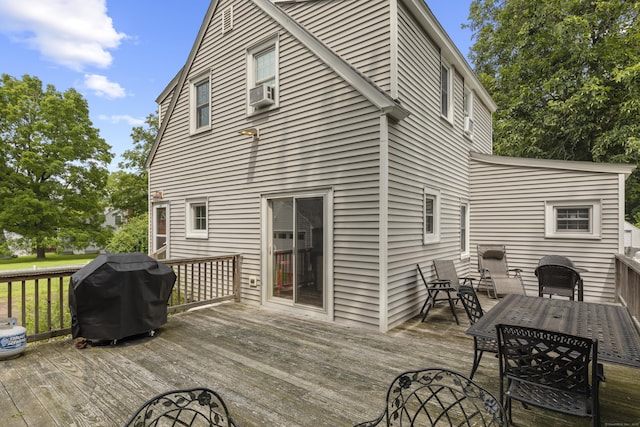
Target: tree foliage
x,y
565,75
128,186
54,165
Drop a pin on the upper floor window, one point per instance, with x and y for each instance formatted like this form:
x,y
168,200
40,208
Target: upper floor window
x,y
200,104
196,218
431,206
265,66
572,219
446,91
262,76
468,112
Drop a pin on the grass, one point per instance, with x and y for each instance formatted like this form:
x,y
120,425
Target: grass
x,y
29,262
51,260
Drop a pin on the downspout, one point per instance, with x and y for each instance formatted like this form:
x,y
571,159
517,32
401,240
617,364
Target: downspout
x,y
150,218
393,42
383,237
621,211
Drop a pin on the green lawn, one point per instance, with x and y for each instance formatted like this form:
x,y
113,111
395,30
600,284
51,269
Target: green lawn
x,y
51,260
44,311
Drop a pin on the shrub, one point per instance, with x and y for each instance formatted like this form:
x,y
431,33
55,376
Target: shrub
x,y
131,237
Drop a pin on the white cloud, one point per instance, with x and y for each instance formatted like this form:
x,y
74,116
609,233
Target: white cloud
x,y
101,86
74,33
132,121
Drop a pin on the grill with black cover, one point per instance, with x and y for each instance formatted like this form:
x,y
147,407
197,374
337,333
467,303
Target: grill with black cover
x,y
119,295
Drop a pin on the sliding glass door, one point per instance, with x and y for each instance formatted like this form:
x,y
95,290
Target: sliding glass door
x,y
296,250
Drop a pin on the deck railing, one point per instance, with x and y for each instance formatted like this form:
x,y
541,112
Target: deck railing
x,y
39,298
628,284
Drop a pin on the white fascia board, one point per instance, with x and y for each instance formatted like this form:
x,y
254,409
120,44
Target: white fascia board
x,y
617,168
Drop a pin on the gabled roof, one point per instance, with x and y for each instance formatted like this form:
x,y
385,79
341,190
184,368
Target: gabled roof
x,y
617,168
367,88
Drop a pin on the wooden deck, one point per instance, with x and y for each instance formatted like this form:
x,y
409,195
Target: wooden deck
x,y
271,369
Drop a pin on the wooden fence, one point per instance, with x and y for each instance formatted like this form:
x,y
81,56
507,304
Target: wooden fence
x,y
39,298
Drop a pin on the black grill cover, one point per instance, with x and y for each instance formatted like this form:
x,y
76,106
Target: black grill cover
x,y
119,295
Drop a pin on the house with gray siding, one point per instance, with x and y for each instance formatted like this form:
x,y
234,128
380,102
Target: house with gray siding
x,y
334,144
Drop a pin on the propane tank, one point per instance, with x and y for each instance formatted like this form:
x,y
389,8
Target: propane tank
x,y
13,338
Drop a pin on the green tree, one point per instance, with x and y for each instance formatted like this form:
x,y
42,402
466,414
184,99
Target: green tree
x,y
128,186
565,75
54,165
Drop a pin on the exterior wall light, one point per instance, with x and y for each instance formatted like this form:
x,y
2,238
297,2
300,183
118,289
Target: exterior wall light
x,y
254,132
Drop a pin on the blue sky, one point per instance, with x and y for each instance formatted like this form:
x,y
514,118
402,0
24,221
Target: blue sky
x,y
120,54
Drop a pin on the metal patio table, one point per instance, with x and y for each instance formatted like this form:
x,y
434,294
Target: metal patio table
x,y
617,334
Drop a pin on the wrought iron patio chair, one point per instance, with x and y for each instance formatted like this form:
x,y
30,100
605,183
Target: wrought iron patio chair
x,y
190,407
557,275
471,304
550,370
495,274
440,397
435,290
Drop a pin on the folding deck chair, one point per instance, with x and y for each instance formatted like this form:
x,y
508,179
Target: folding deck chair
x,y
495,275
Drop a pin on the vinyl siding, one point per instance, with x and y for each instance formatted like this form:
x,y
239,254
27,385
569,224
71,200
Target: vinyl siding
x,y
508,207
425,151
482,139
358,31
324,135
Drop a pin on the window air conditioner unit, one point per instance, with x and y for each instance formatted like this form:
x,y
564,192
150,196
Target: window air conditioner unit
x,y
262,95
468,125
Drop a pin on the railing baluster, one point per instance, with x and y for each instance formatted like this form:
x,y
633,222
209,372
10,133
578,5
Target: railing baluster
x,y
9,299
218,279
213,281
36,309
49,304
23,309
61,300
199,281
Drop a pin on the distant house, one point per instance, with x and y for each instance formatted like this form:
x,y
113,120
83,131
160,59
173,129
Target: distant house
x,y
335,144
631,239
113,219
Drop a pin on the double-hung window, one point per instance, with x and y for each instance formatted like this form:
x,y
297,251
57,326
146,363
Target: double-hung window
x,y
464,229
431,215
262,76
197,218
265,66
468,112
573,219
200,110
446,91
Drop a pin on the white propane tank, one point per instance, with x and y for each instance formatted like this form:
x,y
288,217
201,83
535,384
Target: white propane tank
x,y
13,338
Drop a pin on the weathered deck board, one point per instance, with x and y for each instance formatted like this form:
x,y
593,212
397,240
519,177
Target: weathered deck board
x,y
270,368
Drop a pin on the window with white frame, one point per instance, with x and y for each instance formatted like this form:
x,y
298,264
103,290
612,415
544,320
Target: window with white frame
x,y
446,91
200,104
468,112
464,229
573,219
197,218
431,206
262,75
